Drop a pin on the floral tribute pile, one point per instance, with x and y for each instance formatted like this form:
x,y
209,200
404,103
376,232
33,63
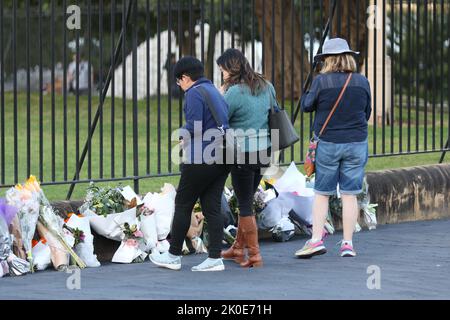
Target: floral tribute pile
x,y
26,214
34,237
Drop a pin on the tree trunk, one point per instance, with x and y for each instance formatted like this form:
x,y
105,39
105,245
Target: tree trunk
x,y
355,32
291,72
188,35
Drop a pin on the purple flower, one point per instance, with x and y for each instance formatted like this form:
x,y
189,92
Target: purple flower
x,y
7,212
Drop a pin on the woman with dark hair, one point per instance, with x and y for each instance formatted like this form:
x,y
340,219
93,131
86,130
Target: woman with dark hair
x,y
249,97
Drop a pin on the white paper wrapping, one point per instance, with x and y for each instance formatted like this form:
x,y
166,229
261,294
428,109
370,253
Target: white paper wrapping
x,y
42,256
128,253
110,226
291,181
163,206
148,228
84,250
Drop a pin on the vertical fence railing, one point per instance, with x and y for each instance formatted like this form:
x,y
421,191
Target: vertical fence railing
x,y
49,126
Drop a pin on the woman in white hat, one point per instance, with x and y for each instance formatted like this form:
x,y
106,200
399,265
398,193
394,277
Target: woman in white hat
x,y
342,152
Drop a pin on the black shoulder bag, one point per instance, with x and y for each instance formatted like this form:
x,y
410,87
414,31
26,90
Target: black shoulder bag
x,y
279,120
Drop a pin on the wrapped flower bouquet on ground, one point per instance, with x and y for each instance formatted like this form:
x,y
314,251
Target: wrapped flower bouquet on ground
x,y
102,206
107,210
10,264
156,220
194,241
368,209
110,226
42,255
103,201
50,226
80,228
27,201
132,247
35,212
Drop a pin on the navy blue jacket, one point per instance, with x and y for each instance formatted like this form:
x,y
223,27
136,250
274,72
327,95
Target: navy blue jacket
x,y
349,122
196,110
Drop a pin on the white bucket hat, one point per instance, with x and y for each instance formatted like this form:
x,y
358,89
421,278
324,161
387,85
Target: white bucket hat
x,y
335,46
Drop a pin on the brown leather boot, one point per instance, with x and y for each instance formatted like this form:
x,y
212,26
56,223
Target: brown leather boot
x,y
236,251
250,231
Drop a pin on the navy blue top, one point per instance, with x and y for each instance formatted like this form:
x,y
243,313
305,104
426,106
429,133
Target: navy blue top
x,y
349,122
196,111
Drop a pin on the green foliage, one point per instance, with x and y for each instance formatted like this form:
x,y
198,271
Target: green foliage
x,y
420,45
104,201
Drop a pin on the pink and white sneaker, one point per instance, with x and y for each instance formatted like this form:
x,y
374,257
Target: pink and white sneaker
x,y
311,249
347,250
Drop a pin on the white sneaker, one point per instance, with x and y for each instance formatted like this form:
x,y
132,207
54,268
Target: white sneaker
x,y
210,265
165,260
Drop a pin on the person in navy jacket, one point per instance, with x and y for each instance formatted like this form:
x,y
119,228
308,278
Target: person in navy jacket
x,y
342,151
203,176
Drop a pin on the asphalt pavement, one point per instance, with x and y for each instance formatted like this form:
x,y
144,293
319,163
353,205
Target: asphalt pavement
x,y
404,261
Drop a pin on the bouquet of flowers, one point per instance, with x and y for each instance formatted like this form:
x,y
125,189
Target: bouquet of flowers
x,y
77,235
26,199
7,213
35,211
130,250
103,201
148,227
195,243
160,208
83,241
51,228
42,254
9,263
259,203
368,209
104,207
132,232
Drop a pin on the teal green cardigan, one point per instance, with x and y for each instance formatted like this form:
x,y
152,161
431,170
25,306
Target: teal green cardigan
x,y
250,112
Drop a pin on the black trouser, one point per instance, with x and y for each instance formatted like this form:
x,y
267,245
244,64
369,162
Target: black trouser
x,y
207,183
246,179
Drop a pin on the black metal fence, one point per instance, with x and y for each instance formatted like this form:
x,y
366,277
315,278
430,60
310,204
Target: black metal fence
x,y
115,122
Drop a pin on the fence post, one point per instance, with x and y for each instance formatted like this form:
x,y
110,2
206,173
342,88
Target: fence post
x,y
102,100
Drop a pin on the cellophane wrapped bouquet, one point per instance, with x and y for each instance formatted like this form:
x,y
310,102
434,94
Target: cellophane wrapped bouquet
x,y
36,212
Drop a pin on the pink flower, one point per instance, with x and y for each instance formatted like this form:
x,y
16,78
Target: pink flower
x,y
138,234
132,243
25,195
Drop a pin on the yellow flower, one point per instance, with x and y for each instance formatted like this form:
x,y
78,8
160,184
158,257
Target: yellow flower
x,y
28,187
32,184
31,179
19,187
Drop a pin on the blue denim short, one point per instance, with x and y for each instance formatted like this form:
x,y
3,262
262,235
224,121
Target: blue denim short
x,y
343,164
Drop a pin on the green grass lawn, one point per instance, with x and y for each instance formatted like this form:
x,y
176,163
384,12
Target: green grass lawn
x,y
151,162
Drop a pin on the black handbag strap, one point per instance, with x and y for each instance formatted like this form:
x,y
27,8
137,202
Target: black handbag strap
x,y
211,108
273,101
